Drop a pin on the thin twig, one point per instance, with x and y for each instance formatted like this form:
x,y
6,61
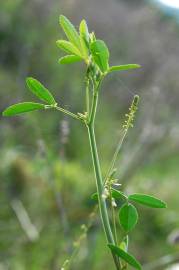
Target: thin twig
x,y
67,264
67,112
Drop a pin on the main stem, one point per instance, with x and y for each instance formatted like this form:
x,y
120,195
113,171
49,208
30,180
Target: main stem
x,y
99,185
99,180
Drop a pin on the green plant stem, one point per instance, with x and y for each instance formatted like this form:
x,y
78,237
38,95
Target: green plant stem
x,y
98,176
113,217
87,96
67,112
99,184
118,148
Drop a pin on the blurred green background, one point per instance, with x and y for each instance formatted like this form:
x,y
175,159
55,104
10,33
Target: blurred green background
x,y
46,176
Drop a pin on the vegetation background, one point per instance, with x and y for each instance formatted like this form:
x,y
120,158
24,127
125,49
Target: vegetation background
x,y
46,176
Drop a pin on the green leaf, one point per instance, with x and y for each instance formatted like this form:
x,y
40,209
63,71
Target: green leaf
x,y
84,31
68,47
123,67
70,31
128,217
94,196
69,59
84,38
22,108
100,54
147,200
117,194
40,91
128,258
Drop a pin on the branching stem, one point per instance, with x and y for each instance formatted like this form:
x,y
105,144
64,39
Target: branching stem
x,y
98,176
118,148
96,164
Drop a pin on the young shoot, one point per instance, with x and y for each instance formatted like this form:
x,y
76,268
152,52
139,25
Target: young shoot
x,y
82,46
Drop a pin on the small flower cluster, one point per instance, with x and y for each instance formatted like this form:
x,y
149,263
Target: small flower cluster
x,y
65,265
108,186
106,195
131,115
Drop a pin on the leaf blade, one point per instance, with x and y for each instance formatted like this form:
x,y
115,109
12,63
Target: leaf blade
x,y
127,257
83,29
68,47
40,91
69,59
128,217
23,107
84,38
100,54
123,67
117,194
70,31
147,200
